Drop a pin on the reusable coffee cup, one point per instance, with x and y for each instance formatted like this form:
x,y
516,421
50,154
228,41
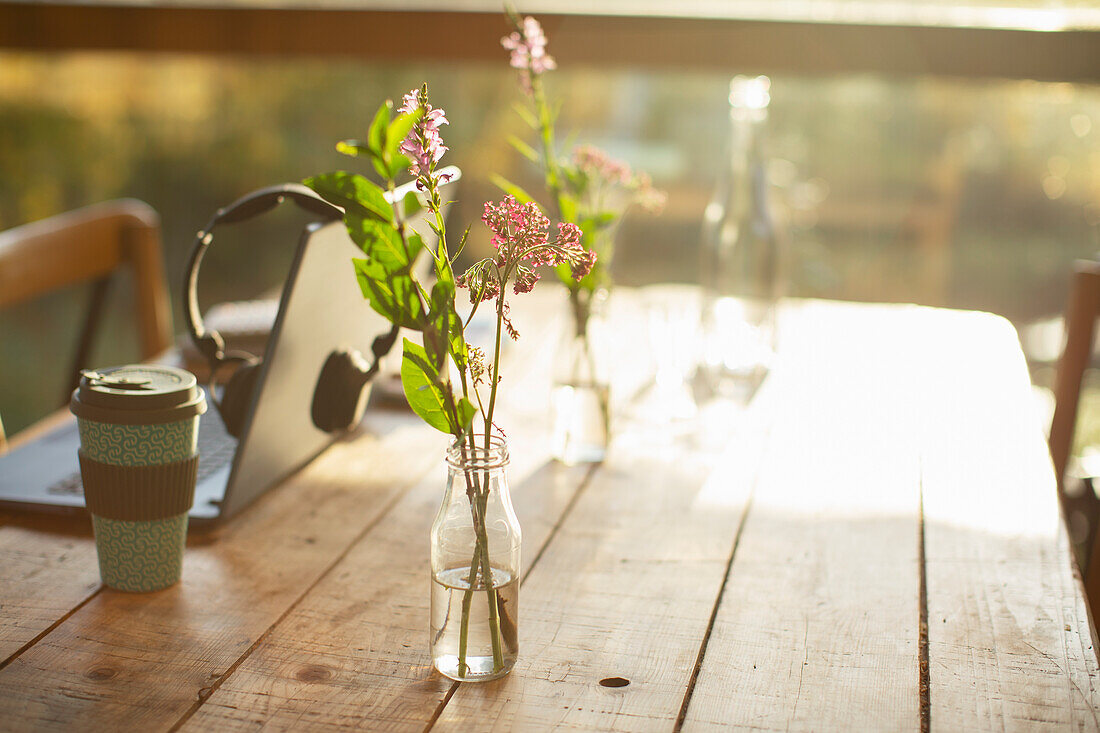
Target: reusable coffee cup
x,y
139,427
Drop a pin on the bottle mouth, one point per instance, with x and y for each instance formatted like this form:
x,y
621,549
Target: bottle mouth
x,y
749,98
464,457
750,92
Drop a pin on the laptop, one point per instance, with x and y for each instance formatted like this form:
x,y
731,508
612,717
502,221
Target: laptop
x,y
321,310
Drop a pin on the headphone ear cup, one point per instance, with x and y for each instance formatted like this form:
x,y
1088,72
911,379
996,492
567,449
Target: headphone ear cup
x,y
340,397
237,396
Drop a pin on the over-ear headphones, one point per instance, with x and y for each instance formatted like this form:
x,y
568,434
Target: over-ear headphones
x,y
339,397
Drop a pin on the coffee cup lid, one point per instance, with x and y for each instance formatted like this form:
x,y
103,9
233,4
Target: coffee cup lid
x,y
138,394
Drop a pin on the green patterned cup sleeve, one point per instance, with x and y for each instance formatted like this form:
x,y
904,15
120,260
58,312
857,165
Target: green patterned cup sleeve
x,y
140,556
138,445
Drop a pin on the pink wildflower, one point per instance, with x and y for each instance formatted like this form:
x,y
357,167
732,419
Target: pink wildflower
x,y
525,280
528,46
595,163
520,235
423,146
521,238
600,168
480,280
516,229
582,265
651,199
508,326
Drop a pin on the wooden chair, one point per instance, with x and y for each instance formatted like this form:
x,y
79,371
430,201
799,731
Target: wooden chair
x,y
90,245
1080,327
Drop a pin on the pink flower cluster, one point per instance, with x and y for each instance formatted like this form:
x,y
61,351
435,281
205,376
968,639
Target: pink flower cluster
x,y
423,146
595,163
521,238
528,47
650,198
598,166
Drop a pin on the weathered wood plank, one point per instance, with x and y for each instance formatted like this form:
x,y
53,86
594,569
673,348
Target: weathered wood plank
x,y
625,591
354,652
1009,640
818,624
139,661
49,568
627,587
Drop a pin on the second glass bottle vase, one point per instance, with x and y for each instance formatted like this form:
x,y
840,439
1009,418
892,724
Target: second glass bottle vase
x,y
741,266
475,547
581,398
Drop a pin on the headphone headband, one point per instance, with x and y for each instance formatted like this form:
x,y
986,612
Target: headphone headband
x,y
210,343
339,395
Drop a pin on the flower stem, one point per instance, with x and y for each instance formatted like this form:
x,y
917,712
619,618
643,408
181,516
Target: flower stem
x,y
546,133
496,370
490,588
478,493
472,491
467,599
582,316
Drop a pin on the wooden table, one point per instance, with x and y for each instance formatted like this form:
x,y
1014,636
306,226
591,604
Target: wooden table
x,y
874,543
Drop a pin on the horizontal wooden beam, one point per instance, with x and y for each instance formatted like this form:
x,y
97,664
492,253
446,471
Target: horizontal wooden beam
x,y
669,44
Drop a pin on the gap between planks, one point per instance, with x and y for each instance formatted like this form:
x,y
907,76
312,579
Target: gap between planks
x,y
49,629
682,715
925,668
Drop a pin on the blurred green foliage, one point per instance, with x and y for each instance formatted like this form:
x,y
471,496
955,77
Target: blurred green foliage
x,y
1013,168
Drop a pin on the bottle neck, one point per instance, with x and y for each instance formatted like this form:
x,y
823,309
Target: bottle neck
x,y
746,137
473,455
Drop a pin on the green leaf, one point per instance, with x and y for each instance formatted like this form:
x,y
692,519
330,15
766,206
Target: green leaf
x,y
398,163
410,205
379,295
555,112
594,225
423,390
523,149
393,296
376,136
416,245
443,270
446,321
461,243
397,132
576,178
568,207
526,115
380,242
466,412
380,167
354,148
508,187
353,193
435,229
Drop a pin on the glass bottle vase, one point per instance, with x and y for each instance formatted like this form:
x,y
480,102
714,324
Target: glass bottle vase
x,y
475,551
581,397
741,266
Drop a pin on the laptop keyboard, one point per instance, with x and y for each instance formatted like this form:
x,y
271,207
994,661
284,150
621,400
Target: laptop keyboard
x,y
71,485
216,448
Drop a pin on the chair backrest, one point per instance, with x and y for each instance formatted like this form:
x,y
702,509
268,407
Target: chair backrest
x,y
1081,313
91,244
